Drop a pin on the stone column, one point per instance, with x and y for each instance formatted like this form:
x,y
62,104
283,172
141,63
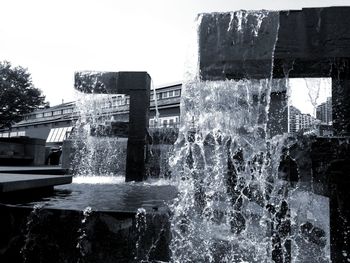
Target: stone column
x,y
138,126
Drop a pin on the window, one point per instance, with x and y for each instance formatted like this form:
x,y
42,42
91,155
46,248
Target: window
x,y
59,134
47,114
177,93
4,134
57,112
120,101
70,110
164,95
21,133
39,115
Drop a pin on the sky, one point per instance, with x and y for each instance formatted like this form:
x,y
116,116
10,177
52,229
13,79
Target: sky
x,y
55,38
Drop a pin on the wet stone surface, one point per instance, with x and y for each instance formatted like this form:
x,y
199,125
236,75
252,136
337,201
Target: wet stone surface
x,y
88,223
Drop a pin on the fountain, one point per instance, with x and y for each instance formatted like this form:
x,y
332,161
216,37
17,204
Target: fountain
x,y
242,189
248,191
137,85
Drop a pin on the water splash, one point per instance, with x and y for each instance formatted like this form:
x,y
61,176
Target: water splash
x,y
141,227
244,22
95,153
235,203
156,117
29,238
226,168
224,173
99,180
83,243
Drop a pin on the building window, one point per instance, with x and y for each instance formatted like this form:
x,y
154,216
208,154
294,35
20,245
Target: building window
x,y
59,134
70,110
119,101
48,114
5,134
57,112
21,133
177,93
39,115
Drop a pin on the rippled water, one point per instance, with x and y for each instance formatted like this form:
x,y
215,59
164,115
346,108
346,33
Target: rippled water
x,y
109,194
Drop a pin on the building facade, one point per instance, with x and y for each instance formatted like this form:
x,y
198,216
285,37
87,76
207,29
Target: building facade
x,y
324,112
54,124
300,121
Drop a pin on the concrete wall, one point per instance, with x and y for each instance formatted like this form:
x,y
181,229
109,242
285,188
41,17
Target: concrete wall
x,y
22,151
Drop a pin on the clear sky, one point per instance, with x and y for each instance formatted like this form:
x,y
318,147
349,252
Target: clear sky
x,y
55,38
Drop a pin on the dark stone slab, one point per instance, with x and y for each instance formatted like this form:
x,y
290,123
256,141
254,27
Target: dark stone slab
x,y
45,170
57,235
229,49
22,151
122,222
20,182
110,82
330,169
312,42
341,98
308,42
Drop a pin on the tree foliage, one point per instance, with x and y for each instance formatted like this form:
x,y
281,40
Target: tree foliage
x,y
18,95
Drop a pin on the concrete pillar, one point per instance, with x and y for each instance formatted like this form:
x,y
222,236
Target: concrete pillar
x,y
138,130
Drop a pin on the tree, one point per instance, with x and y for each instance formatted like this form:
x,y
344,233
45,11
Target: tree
x,y
18,96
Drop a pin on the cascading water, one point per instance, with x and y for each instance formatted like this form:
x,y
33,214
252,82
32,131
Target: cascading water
x,y
233,205
32,223
98,154
141,225
83,242
156,117
228,177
